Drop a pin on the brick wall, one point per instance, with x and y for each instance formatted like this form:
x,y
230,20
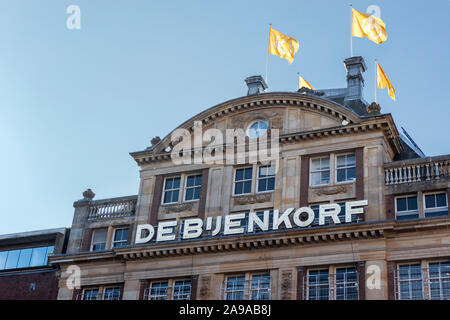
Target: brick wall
x,y
16,286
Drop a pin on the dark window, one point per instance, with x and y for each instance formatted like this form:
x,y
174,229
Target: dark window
x,y
120,238
171,190
193,187
266,178
436,205
243,181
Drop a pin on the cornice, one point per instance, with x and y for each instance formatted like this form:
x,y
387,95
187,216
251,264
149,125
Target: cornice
x,y
383,122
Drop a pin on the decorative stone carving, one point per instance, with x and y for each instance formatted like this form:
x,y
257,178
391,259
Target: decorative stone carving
x,y
205,284
88,194
251,199
373,109
286,285
275,119
155,140
330,190
178,207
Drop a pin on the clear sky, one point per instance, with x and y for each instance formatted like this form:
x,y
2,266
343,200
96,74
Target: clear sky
x,y
74,103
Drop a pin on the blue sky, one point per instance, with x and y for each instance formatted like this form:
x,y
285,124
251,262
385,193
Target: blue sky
x,y
74,103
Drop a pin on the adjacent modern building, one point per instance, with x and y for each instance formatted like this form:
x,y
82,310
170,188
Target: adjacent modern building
x,y
352,209
25,273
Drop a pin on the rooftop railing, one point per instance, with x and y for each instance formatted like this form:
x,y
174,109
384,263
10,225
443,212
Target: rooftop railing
x,y
416,170
112,208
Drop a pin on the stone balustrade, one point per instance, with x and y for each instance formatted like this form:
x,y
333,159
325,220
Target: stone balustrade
x,y
416,170
112,208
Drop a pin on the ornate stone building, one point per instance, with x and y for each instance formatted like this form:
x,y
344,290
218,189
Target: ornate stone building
x,y
335,151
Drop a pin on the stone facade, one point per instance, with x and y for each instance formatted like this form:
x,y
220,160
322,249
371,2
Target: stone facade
x,y
371,249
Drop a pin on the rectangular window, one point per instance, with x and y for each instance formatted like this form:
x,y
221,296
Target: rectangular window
x,y
99,240
120,238
320,171
158,291
193,188
90,294
13,259
436,205
266,178
318,284
346,168
24,258
182,290
406,208
171,190
243,181
3,256
410,282
439,278
235,288
111,293
346,284
260,287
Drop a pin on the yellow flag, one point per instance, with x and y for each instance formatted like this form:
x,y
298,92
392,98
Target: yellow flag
x,y
366,25
383,82
282,45
303,83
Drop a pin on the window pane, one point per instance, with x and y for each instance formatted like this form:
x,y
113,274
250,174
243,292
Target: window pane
x,y
112,294
13,259
430,201
39,257
441,200
248,173
340,175
100,236
3,256
176,183
182,290
412,203
351,174
247,186
169,184
351,160
401,204
239,174
239,188
197,193
24,258
340,162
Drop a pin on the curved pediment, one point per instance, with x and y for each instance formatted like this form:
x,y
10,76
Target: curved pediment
x,y
288,112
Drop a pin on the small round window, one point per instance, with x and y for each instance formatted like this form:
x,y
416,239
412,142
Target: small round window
x,y
257,129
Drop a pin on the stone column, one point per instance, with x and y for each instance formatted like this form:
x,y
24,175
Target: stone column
x,y
131,289
376,280
80,218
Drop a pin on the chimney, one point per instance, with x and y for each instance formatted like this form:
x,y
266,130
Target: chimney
x,y
256,85
355,82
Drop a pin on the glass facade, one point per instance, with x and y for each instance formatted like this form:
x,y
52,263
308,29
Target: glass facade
x,y
25,258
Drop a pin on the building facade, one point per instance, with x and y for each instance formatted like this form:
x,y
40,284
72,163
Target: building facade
x,y
350,208
25,273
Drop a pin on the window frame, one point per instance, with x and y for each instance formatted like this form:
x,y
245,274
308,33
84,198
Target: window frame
x,y
171,190
311,172
243,181
93,236
435,209
247,290
258,179
111,287
332,284
113,242
406,212
255,122
185,187
345,168
398,286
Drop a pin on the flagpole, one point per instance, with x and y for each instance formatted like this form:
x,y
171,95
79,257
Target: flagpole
x,y
376,71
267,59
351,37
